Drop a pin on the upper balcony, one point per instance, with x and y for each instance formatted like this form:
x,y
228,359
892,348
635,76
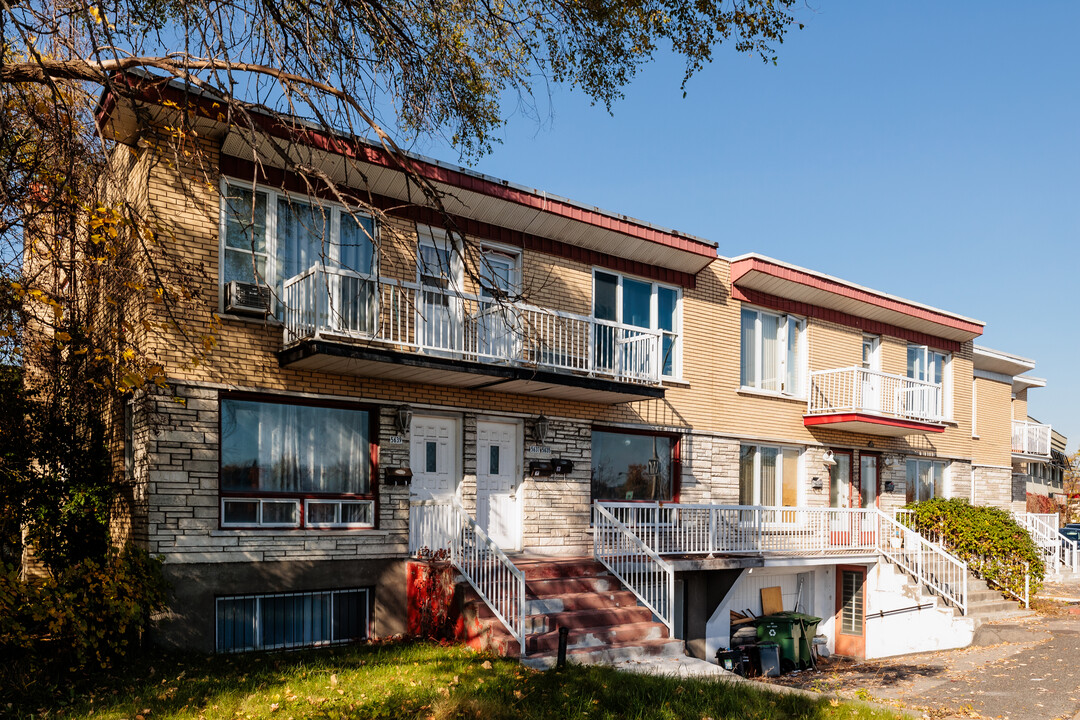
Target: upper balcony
x,y
866,401
1030,441
344,322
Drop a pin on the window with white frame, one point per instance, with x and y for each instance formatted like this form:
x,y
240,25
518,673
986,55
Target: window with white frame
x,y
769,476
286,465
925,479
270,237
292,620
632,303
931,366
773,352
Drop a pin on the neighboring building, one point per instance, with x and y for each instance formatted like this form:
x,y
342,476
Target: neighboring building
x,y
559,375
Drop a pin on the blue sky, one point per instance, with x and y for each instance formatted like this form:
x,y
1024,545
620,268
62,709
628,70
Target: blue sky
x,y
930,150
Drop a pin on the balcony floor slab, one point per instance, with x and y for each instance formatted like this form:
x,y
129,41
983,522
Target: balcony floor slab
x,y
871,424
350,359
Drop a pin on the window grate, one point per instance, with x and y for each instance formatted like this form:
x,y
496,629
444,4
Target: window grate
x,y
284,621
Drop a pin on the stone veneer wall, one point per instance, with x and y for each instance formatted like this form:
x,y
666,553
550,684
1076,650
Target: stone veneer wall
x,y
995,486
181,451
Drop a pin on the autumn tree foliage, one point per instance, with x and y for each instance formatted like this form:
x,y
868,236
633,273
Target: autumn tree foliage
x,y
76,253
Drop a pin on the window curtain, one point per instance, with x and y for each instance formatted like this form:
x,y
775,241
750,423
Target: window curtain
x,y
274,447
746,474
749,348
301,229
356,245
770,352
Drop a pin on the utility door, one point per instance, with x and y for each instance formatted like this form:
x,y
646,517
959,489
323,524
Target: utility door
x,y
851,611
871,381
498,477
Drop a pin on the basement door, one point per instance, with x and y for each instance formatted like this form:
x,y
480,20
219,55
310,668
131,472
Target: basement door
x,y
498,476
851,611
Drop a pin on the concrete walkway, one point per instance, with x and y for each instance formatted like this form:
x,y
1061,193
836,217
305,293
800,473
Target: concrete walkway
x,y
1018,670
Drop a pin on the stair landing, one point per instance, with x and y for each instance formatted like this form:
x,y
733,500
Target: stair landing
x,y
606,624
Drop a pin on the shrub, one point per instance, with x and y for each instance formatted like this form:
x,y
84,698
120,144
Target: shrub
x,y
81,621
986,538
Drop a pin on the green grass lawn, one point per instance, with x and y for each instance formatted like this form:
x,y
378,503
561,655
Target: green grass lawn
x,y
418,680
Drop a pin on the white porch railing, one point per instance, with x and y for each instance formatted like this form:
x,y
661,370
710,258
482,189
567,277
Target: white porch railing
x,y
635,564
857,389
926,561
1043,528
684,529
444,524
333,303
1030,438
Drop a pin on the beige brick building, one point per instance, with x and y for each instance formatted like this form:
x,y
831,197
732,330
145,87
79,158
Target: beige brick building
x,y
371,362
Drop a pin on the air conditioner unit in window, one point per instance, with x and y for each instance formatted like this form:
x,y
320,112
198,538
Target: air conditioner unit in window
x,y
247,298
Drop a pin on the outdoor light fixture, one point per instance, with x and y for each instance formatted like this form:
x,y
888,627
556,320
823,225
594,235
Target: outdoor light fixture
x,y
403,419
829,459
541,425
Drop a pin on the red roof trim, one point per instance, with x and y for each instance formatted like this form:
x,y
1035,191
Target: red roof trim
x,y
739,268
155,91
275,177
812,420
868,326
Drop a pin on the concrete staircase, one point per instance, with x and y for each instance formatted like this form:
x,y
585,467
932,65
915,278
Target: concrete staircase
x,y
988,605
606,625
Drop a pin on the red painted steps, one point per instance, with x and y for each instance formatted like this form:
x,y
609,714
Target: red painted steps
x,y
606,623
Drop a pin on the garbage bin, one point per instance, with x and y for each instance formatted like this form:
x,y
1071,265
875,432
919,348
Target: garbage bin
x,y
731,660
793,633
770,659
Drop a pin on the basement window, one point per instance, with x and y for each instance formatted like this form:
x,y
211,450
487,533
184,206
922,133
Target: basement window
x,y
292,620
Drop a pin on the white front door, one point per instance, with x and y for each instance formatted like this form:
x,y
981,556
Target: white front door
x,y
498,475
433,457
434,460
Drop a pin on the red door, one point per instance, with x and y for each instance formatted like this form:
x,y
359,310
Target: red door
x,y
851,611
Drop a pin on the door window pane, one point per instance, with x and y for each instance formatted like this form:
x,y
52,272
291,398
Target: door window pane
x,y
851,602
637,301
605,292
790,496
667,303
746,474
356,248
840,481
493,460
620,467
431,456
749,361
301,231
868,480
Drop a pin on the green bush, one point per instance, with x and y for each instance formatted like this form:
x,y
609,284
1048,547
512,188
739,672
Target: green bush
x,y
986,538
85,619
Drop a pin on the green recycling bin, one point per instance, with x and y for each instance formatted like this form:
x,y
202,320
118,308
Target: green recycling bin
x,y
793,633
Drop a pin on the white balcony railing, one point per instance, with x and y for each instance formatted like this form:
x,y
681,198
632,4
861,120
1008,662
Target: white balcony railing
x,y
631,540
682,529
1030,438
858,390
324,302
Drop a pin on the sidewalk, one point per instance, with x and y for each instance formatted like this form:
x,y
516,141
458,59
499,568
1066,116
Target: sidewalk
x,y
1027,669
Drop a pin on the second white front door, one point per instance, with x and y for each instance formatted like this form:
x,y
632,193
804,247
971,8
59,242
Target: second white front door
x,y
498,475
434,456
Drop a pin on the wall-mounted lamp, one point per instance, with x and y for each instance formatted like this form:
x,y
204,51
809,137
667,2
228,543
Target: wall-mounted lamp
x,y
870,444
889,462
403,419
540,428
829,459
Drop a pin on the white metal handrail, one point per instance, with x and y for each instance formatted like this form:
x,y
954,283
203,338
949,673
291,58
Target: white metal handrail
x,y
1029,438
687,529
929,563
1043,528
635,564
860,390
331,302
445,524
